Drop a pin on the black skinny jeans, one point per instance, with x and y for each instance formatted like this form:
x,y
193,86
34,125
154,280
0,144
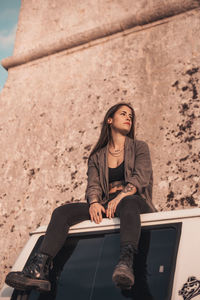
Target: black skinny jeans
x,y
128,210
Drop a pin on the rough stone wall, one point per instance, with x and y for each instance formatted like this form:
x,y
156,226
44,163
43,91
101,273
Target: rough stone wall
x,y
43,24
51,112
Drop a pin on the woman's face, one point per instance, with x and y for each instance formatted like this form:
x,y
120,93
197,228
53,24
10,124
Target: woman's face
x,y
122,120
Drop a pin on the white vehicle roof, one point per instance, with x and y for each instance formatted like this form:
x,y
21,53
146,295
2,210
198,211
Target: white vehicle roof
x,y
146,220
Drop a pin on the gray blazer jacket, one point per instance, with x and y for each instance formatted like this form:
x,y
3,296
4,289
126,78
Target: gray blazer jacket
x,y
137,170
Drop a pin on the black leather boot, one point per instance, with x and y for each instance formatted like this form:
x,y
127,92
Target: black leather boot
x,y
34,276
123,276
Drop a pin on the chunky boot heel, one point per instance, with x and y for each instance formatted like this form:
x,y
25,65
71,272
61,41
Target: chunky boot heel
x,y
34,276
123,276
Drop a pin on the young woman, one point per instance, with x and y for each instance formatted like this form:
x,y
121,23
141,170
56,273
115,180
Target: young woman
x,y
119,184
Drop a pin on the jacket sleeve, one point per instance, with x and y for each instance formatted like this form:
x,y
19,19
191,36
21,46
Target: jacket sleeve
x,y
93,190
142,172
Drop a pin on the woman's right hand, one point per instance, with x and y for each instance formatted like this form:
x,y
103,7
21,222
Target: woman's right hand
x,y
95,211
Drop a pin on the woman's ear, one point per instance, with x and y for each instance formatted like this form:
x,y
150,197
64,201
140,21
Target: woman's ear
x,y
109,121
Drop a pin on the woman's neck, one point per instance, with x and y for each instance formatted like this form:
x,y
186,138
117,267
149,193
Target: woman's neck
x,y
117,141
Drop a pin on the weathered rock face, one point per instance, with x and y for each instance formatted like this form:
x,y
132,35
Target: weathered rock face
x,y
52,108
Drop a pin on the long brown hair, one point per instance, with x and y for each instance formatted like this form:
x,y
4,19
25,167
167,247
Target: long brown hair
x,y
105,135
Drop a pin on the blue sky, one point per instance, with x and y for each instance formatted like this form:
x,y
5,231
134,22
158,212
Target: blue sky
x,y
9,12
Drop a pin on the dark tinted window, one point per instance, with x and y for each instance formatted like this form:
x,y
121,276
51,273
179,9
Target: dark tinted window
x,y
83,268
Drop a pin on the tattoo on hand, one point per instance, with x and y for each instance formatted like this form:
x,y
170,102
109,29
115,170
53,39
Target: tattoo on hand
x,y
128,188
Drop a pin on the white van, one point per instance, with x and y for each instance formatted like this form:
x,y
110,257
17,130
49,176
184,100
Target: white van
x,y
167,265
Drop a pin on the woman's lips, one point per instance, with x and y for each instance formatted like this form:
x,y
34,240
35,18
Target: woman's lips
x,y
127,123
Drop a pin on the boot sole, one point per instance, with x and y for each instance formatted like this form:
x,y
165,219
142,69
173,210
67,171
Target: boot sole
x,y
25,283
123,278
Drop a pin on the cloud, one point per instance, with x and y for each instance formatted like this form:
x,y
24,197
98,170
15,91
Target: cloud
x,y
7,38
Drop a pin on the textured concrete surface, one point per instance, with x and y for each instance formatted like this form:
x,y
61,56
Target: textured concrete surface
x,y
51,112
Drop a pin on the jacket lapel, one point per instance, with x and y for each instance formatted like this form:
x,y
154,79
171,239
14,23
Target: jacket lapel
x,y
103,169
129,155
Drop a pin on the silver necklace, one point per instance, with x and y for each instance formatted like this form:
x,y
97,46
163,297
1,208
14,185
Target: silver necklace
x,y
116,153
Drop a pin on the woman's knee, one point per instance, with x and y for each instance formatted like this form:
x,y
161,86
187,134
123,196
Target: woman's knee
x,y
134,203
130,202
71,212
59,211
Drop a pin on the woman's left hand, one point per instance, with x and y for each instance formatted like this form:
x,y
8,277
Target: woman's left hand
x,y
112,205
